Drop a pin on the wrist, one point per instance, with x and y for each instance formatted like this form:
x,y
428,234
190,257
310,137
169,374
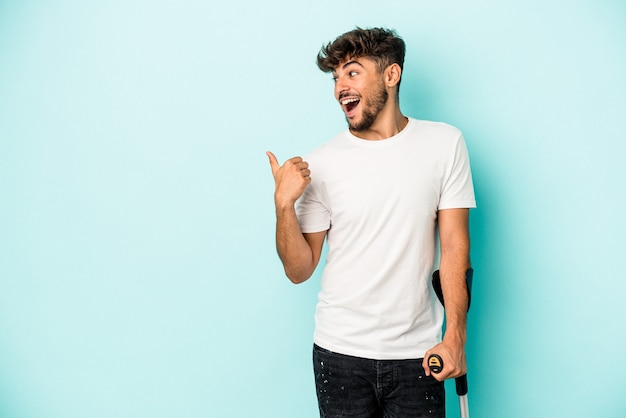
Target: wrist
x,y
454,336
283,205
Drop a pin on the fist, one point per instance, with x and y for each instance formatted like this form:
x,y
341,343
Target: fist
x,y
291,179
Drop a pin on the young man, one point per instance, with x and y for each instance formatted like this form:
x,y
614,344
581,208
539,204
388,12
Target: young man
x,y
378,193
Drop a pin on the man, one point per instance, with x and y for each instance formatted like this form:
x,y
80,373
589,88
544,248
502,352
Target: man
x,y
378,193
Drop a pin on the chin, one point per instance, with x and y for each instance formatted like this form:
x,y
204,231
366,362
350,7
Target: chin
x,y
360,125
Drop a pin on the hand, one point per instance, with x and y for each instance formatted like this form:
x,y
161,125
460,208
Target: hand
x,y
453,357
291,179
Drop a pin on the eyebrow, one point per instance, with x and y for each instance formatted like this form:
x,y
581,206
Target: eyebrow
x,y
350,63
347,64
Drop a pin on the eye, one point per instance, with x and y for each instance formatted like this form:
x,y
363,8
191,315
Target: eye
x,y
352,73
334,79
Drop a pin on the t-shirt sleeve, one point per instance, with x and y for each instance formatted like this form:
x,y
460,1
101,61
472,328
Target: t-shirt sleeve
x,y
312,210
457,188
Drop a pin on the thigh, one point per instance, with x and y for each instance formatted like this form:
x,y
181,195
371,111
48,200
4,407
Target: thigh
x,y
415,395
346,385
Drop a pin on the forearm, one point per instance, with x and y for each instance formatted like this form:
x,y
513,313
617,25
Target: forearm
x,y
293,249
453,267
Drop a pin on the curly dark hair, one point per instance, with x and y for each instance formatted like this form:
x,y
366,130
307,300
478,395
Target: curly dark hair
x,y
384,46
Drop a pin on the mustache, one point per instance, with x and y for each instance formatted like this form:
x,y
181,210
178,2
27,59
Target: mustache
x,y
343,95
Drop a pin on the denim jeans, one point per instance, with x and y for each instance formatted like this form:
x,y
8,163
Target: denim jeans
x,y
357,387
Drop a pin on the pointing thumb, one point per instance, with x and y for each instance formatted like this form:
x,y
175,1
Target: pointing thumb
x,y
273,161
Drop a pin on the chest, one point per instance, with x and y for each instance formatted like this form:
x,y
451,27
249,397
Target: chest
x,y
364,184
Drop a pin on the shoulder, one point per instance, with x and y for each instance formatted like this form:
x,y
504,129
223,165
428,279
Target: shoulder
x,y
439,130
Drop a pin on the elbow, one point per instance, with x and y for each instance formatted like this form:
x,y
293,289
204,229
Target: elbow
x,y
297,280
458,252
298,277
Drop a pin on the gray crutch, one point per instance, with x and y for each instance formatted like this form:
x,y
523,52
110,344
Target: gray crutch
x,y
434,361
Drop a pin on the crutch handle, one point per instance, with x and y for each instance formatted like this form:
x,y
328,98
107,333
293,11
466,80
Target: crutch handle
x,y
435,363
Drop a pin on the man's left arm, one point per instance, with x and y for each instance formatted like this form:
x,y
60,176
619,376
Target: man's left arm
x,y
455,260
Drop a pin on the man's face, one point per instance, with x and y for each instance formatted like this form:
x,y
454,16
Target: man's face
x,y
361,92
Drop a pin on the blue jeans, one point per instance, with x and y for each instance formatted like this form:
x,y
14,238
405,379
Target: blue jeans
x,y
357,387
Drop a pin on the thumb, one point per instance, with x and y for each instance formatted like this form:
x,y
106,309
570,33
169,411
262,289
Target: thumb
x,y
273,162
425,364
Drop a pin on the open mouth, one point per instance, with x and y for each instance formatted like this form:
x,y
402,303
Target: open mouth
x,y
350,104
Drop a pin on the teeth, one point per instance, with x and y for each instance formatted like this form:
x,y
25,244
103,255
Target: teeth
x,y
349,100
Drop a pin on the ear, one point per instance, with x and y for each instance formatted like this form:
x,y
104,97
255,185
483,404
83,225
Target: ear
x,y
392,75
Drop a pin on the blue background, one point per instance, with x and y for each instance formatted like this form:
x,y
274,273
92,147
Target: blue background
x,y
138,276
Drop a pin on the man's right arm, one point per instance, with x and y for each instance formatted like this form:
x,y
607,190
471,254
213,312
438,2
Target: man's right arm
x,y
299,253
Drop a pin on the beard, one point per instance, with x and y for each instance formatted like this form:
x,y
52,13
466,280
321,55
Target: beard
x,y
371,110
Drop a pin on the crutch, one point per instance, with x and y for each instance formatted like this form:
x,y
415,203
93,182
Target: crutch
x,y
434,361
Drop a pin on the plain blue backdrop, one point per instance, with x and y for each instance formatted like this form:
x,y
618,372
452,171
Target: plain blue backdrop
x,y
138,276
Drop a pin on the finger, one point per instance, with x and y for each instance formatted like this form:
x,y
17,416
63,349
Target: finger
x,y
295,161
273,162
302,166
425,364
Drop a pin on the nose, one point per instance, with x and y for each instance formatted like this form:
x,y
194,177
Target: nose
x,y
340,86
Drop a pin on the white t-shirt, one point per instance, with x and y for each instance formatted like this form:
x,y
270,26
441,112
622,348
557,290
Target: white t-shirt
x,y
379,202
